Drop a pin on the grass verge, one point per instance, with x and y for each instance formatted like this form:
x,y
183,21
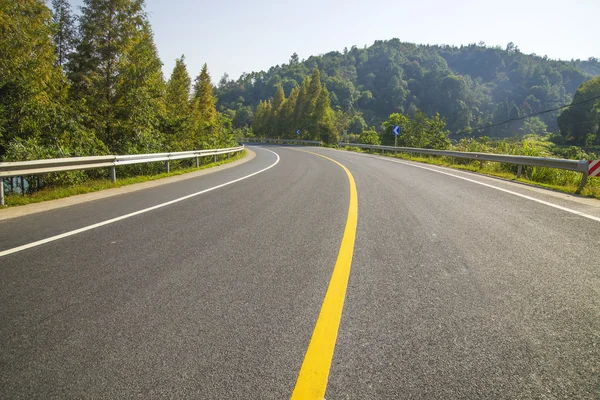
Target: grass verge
x,y
592,189
59,192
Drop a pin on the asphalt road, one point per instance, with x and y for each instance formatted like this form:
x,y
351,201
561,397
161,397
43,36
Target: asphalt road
x,y
457,290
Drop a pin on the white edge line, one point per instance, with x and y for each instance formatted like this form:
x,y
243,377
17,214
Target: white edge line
x,y
569,210
122,217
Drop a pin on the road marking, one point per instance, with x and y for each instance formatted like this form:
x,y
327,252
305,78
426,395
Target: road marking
x,y
314,372
122,217
547,203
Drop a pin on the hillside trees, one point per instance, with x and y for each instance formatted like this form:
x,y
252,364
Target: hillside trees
x,y
580,123
307,109
464,84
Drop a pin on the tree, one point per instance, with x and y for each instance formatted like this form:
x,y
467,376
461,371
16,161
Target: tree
x,y
243,117
287,124
115,74
323,118
418,131
30,84
580,123
140,91
357,124
64,30
178,90
369,137
204,99
279,98
179,123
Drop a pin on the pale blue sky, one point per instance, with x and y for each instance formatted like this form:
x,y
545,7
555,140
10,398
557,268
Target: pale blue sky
x,y
236,36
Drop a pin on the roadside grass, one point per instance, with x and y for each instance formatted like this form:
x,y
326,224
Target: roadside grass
x,y
549,178
94,185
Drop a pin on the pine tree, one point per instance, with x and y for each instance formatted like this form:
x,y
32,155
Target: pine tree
x,y
140,91
279,98
30,84
314,90
286,123
300,112
204,98
178,90
64,30
116,67
179,121
204,111
278,101
323,118
259,116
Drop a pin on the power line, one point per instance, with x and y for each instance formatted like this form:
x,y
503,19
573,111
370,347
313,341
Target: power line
x,y
527,116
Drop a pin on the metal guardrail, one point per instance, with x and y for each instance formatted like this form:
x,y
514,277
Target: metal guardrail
x,y
281,141
36,167
569,165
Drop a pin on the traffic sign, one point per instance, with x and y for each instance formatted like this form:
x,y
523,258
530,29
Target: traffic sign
x,y
396,130
298,132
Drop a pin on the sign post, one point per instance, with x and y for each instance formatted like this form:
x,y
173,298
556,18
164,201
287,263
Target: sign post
x,y
396,133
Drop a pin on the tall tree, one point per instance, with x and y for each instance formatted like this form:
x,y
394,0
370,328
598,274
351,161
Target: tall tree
x,y
178,90
323,118
140,91
115,73
287,124
30,84
204,98
65,31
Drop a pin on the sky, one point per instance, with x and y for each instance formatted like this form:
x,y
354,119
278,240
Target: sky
x,y
236,36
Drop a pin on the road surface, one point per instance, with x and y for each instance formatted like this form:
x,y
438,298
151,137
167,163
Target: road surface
x,y
461,287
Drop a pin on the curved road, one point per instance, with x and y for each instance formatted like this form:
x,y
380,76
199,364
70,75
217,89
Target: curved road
x,y
461,287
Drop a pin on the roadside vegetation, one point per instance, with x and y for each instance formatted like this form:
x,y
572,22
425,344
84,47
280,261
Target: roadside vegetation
x,y
529,145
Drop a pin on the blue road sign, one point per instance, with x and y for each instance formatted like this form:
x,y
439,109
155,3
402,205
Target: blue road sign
x,y
396,130
298,132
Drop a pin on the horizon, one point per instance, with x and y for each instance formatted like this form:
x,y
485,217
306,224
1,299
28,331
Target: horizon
x,y
568,34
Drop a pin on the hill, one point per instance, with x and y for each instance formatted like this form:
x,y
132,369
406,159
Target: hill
x,y
471,86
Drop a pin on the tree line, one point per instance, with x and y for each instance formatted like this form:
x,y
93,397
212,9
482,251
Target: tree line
x,y
470,86
93,85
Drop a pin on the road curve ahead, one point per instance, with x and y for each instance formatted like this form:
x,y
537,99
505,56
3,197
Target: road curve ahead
x,y
460,287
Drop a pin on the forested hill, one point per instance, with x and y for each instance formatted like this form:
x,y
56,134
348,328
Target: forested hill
x,y
471,86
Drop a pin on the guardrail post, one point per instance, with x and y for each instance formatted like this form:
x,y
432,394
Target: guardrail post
x,y
519,170
113,174
1,191
215,158
197,162
480,164
584,176
167,166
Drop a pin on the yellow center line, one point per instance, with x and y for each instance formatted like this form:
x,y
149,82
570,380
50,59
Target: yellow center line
x,y
314,372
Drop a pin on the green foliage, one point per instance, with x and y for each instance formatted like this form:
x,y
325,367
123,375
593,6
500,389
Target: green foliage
x,y
116,75
64,30
31,87
470,86
418,131
580,123
369,137
113,98
308,109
